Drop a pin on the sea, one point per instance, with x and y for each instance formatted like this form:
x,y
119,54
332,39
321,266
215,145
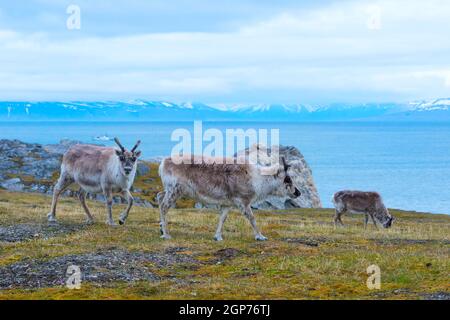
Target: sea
x,y
408,163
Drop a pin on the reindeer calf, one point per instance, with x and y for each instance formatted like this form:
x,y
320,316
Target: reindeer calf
x,y
369,203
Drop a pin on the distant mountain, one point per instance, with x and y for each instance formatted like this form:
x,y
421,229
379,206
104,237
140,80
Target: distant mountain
x,y
141,110
435,110
138,110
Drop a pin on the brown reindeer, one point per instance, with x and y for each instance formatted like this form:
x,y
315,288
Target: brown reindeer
x,y
98,170
222,184
369,203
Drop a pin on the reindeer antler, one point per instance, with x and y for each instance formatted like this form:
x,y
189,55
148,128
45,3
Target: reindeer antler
x,y
119,144
136,146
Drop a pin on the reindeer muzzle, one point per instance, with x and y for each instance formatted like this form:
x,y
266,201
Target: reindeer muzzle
x,y
388,223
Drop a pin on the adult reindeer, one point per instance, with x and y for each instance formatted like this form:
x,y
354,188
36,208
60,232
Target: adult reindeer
x,y
223,184
98,170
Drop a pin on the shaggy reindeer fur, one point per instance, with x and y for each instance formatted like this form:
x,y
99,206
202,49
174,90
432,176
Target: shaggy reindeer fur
x,y
222,184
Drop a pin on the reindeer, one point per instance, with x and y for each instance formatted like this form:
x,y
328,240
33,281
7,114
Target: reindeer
x,y
98,170
223,184
369,203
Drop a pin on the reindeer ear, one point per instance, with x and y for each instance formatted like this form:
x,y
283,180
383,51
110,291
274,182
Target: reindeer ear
x,y
137,154
118,152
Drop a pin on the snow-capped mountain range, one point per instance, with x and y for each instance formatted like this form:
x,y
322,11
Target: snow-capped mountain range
x,y
142,110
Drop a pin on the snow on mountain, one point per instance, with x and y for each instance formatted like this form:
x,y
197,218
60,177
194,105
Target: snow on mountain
x,y
438,104
290,108
143,110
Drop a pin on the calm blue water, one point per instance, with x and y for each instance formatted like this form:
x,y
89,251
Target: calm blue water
x,y
408,163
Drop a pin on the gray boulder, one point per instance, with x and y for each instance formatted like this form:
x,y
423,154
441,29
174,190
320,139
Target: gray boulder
x,y
61,147
301,174
14,184
142,169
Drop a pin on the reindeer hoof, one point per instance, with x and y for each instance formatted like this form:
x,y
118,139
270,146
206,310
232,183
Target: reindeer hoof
x,y
218,238
89,221
111,223
51,218
166,237
122,218
260,238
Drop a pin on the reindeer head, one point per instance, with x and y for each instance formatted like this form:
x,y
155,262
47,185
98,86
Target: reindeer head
x,y
128,159
290,189
385,218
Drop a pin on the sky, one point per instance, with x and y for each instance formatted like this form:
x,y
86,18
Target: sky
x,y
230,51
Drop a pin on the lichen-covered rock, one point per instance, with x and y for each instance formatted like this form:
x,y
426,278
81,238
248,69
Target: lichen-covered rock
x,y
142,169
18,158
61,147
300,172
14,184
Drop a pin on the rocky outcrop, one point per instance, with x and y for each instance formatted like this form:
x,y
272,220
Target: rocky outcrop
x,y
300,172
18,158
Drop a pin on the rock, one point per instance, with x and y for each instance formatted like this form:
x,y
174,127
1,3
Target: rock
x,y
147,204
62,147
142,169
198,205
99,197
300,173
14,184
27,159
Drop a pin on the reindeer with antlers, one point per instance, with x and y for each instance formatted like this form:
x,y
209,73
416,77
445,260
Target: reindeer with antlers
x,y
224,185
98,169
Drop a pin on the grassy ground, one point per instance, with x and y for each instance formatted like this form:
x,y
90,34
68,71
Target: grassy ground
x,y
305,257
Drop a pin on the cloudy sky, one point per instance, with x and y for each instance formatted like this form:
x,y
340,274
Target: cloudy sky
x,y
230,51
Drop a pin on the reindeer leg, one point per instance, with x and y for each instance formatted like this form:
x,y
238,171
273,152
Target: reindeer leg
x,y
374,221
337,218
170,197
248,213
160,197
222,219
109,202
124,215
63,183
366,220
82,197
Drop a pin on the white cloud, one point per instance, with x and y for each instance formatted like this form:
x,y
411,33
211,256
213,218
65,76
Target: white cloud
x,y
328,49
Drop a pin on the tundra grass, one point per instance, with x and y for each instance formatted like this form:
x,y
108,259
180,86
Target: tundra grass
x,y
304,258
